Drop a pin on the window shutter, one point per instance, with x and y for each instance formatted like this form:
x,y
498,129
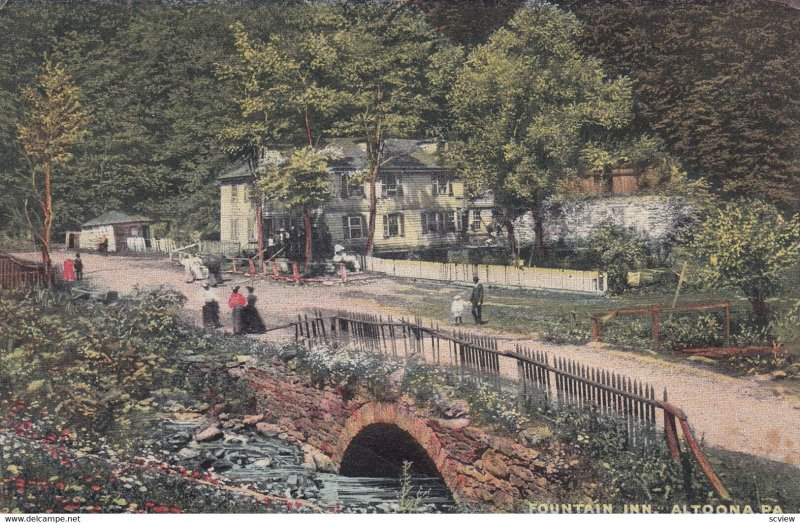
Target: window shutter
x,y
424,223
346,228
401,224
399,185
344,186
435,182
458,221
450,187
385,225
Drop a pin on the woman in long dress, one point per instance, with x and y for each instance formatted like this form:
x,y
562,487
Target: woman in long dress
x,y
251,319
237,303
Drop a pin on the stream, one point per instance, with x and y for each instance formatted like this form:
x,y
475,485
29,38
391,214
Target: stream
x,y
274,467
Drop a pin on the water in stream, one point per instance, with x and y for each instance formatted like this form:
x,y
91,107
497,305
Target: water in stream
x,y
274,467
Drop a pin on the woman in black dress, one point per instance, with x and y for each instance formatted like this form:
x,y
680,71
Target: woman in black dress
x,y
251,319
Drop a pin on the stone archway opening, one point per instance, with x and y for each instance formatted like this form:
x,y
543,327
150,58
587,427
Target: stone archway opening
x,y
379,450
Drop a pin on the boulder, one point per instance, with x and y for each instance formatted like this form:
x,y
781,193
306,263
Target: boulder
x,y
494,464
262,463
534,435
778,375
253,420
211,433
456,409
268,429
187,453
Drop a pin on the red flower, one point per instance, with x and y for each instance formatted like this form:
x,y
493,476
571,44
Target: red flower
x,y
70,508
95,487
161,509
175,510
60,485
65,432
149,504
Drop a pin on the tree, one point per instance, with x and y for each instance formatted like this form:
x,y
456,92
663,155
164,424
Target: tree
x,y
526,105
55,123
393,68
300,182
287,97
750,245
710,78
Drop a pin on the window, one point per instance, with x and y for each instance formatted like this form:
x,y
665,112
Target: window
x,y
392,184
234,193
438,222
441,184
475,220
351,189
234,229
393,225
353,227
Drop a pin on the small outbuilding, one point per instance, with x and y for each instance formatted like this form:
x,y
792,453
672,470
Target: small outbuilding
x,y
123,231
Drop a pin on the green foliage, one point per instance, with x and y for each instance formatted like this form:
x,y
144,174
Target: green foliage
x,y
108,358
345,369
616,251
527,103
301,181
710,81
408,501
750,245
704,330
627,473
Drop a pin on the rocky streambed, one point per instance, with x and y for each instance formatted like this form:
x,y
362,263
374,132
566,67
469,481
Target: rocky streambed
x,y
269,464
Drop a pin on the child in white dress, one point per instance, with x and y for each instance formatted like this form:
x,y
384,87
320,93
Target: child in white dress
x,y
457,310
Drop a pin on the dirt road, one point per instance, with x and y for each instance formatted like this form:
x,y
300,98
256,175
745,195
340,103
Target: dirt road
x,y
737,414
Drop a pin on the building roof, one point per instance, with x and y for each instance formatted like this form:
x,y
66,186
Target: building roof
x,y
408,153
115,217
236,172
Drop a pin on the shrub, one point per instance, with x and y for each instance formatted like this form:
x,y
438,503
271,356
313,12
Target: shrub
x,y
616,251
705,330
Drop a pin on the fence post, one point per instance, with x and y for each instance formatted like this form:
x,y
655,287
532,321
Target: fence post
x,y
671,432
595,328
295,273
727,325
343,273
654,314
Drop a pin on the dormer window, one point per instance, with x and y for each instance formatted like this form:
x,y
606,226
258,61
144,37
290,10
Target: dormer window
x,y
442,185
391,184
351,188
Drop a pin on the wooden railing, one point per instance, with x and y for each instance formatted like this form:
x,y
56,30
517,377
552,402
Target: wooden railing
x,y
538,381
17,274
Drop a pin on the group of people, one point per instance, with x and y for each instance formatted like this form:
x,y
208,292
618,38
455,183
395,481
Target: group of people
x,y
286,243
458,306
245,316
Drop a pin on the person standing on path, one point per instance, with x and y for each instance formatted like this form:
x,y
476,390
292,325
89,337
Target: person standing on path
x,y
477,300
210,308
78,266
457,310
251,319
237,302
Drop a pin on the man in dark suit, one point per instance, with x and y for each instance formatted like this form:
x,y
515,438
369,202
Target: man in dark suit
x,y
477,300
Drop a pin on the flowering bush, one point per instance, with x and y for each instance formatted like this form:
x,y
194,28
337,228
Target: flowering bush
x,y
345,369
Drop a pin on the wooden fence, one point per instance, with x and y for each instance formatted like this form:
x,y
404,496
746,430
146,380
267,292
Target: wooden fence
x,y
537,381
17,274
592,282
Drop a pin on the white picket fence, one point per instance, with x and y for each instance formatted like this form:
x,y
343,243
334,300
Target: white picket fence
x,y
592,282
139,245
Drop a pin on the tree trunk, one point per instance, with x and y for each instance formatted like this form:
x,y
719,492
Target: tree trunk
x,y
308,237
538,230
512,241
761,310
373,206
47,223
260,232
